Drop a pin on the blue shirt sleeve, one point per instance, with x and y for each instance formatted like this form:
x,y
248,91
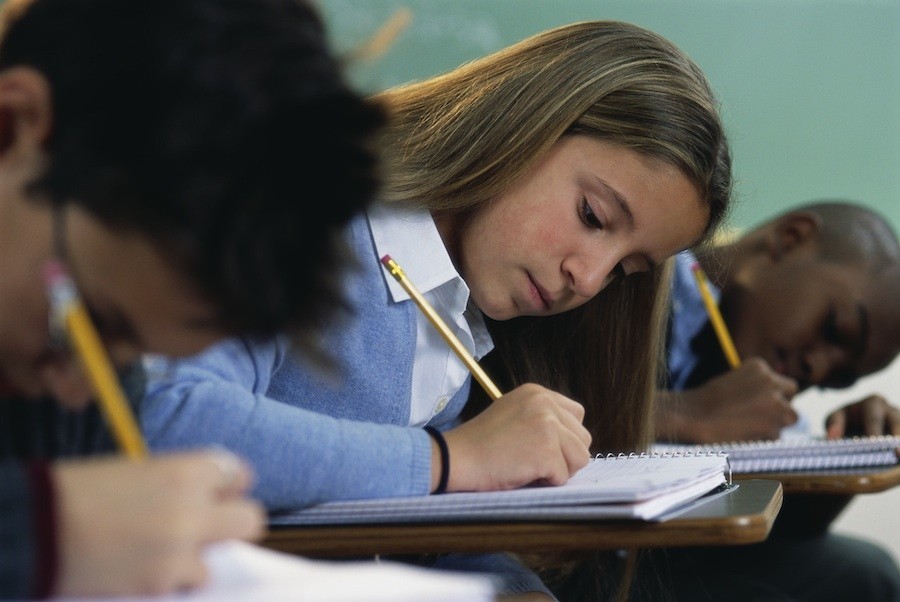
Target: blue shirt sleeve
x,y
300,456
688,318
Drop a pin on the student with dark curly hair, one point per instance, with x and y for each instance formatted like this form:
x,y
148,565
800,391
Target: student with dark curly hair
x,y
192,163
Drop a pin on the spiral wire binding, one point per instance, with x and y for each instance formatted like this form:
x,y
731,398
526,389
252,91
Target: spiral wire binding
x,y
672,454
791,443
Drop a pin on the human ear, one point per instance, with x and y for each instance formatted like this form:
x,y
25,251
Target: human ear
x,y
794,231
26,113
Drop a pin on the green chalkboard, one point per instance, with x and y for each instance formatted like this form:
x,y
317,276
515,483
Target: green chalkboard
x,y
810,89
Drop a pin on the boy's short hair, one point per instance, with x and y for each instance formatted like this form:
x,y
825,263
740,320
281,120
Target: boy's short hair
x,y
222,130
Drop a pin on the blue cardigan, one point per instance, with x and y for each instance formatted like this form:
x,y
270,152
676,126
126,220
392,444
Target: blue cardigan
x,y
311,438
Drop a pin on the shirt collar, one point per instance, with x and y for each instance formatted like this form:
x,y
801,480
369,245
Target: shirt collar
x,y
411,238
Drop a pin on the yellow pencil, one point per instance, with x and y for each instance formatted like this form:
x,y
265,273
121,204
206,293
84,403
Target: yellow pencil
x,y
383,38
455,344
715,317
70,312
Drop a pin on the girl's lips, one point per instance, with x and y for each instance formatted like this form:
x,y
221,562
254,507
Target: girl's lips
x,y
539,296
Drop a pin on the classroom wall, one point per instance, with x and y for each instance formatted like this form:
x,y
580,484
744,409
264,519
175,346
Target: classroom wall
x,y
810,93
810,89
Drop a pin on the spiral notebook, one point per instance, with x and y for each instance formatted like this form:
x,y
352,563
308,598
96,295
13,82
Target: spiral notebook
x,y
800,453
645,486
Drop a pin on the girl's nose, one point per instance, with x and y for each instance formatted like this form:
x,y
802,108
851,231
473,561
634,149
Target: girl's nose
x,y
587,278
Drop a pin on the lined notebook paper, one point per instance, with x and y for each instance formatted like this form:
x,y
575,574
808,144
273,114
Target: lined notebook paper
x,y
629,487
800,453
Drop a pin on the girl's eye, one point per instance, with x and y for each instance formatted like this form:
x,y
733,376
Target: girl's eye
x,y
588,216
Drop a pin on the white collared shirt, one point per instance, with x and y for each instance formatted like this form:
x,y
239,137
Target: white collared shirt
x,y
411,238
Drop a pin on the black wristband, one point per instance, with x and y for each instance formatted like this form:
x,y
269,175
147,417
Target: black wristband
x,y
445,458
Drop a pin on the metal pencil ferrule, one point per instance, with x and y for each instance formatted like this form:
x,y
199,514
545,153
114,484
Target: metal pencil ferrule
x,y
62,295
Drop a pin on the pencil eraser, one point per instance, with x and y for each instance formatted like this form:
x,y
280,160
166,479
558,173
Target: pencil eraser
x,y
386,259
695,266
54,271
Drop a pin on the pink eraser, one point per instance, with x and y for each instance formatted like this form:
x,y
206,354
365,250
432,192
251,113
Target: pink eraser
x,y
54,271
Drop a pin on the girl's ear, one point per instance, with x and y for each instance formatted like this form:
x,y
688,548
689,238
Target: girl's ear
x,y
794,231
26,112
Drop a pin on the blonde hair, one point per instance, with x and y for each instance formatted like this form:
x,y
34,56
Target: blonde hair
x,y
457,140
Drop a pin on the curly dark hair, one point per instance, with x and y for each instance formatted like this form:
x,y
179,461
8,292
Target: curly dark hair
x,y
222,130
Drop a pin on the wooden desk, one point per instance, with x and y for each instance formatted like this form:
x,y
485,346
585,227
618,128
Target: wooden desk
x,y
846,481
815,498
745,515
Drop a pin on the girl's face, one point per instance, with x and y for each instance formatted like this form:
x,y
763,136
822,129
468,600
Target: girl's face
x,y
589,212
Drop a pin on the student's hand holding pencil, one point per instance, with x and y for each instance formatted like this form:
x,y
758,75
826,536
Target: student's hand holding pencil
x,y
129,527
750,402
528,435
